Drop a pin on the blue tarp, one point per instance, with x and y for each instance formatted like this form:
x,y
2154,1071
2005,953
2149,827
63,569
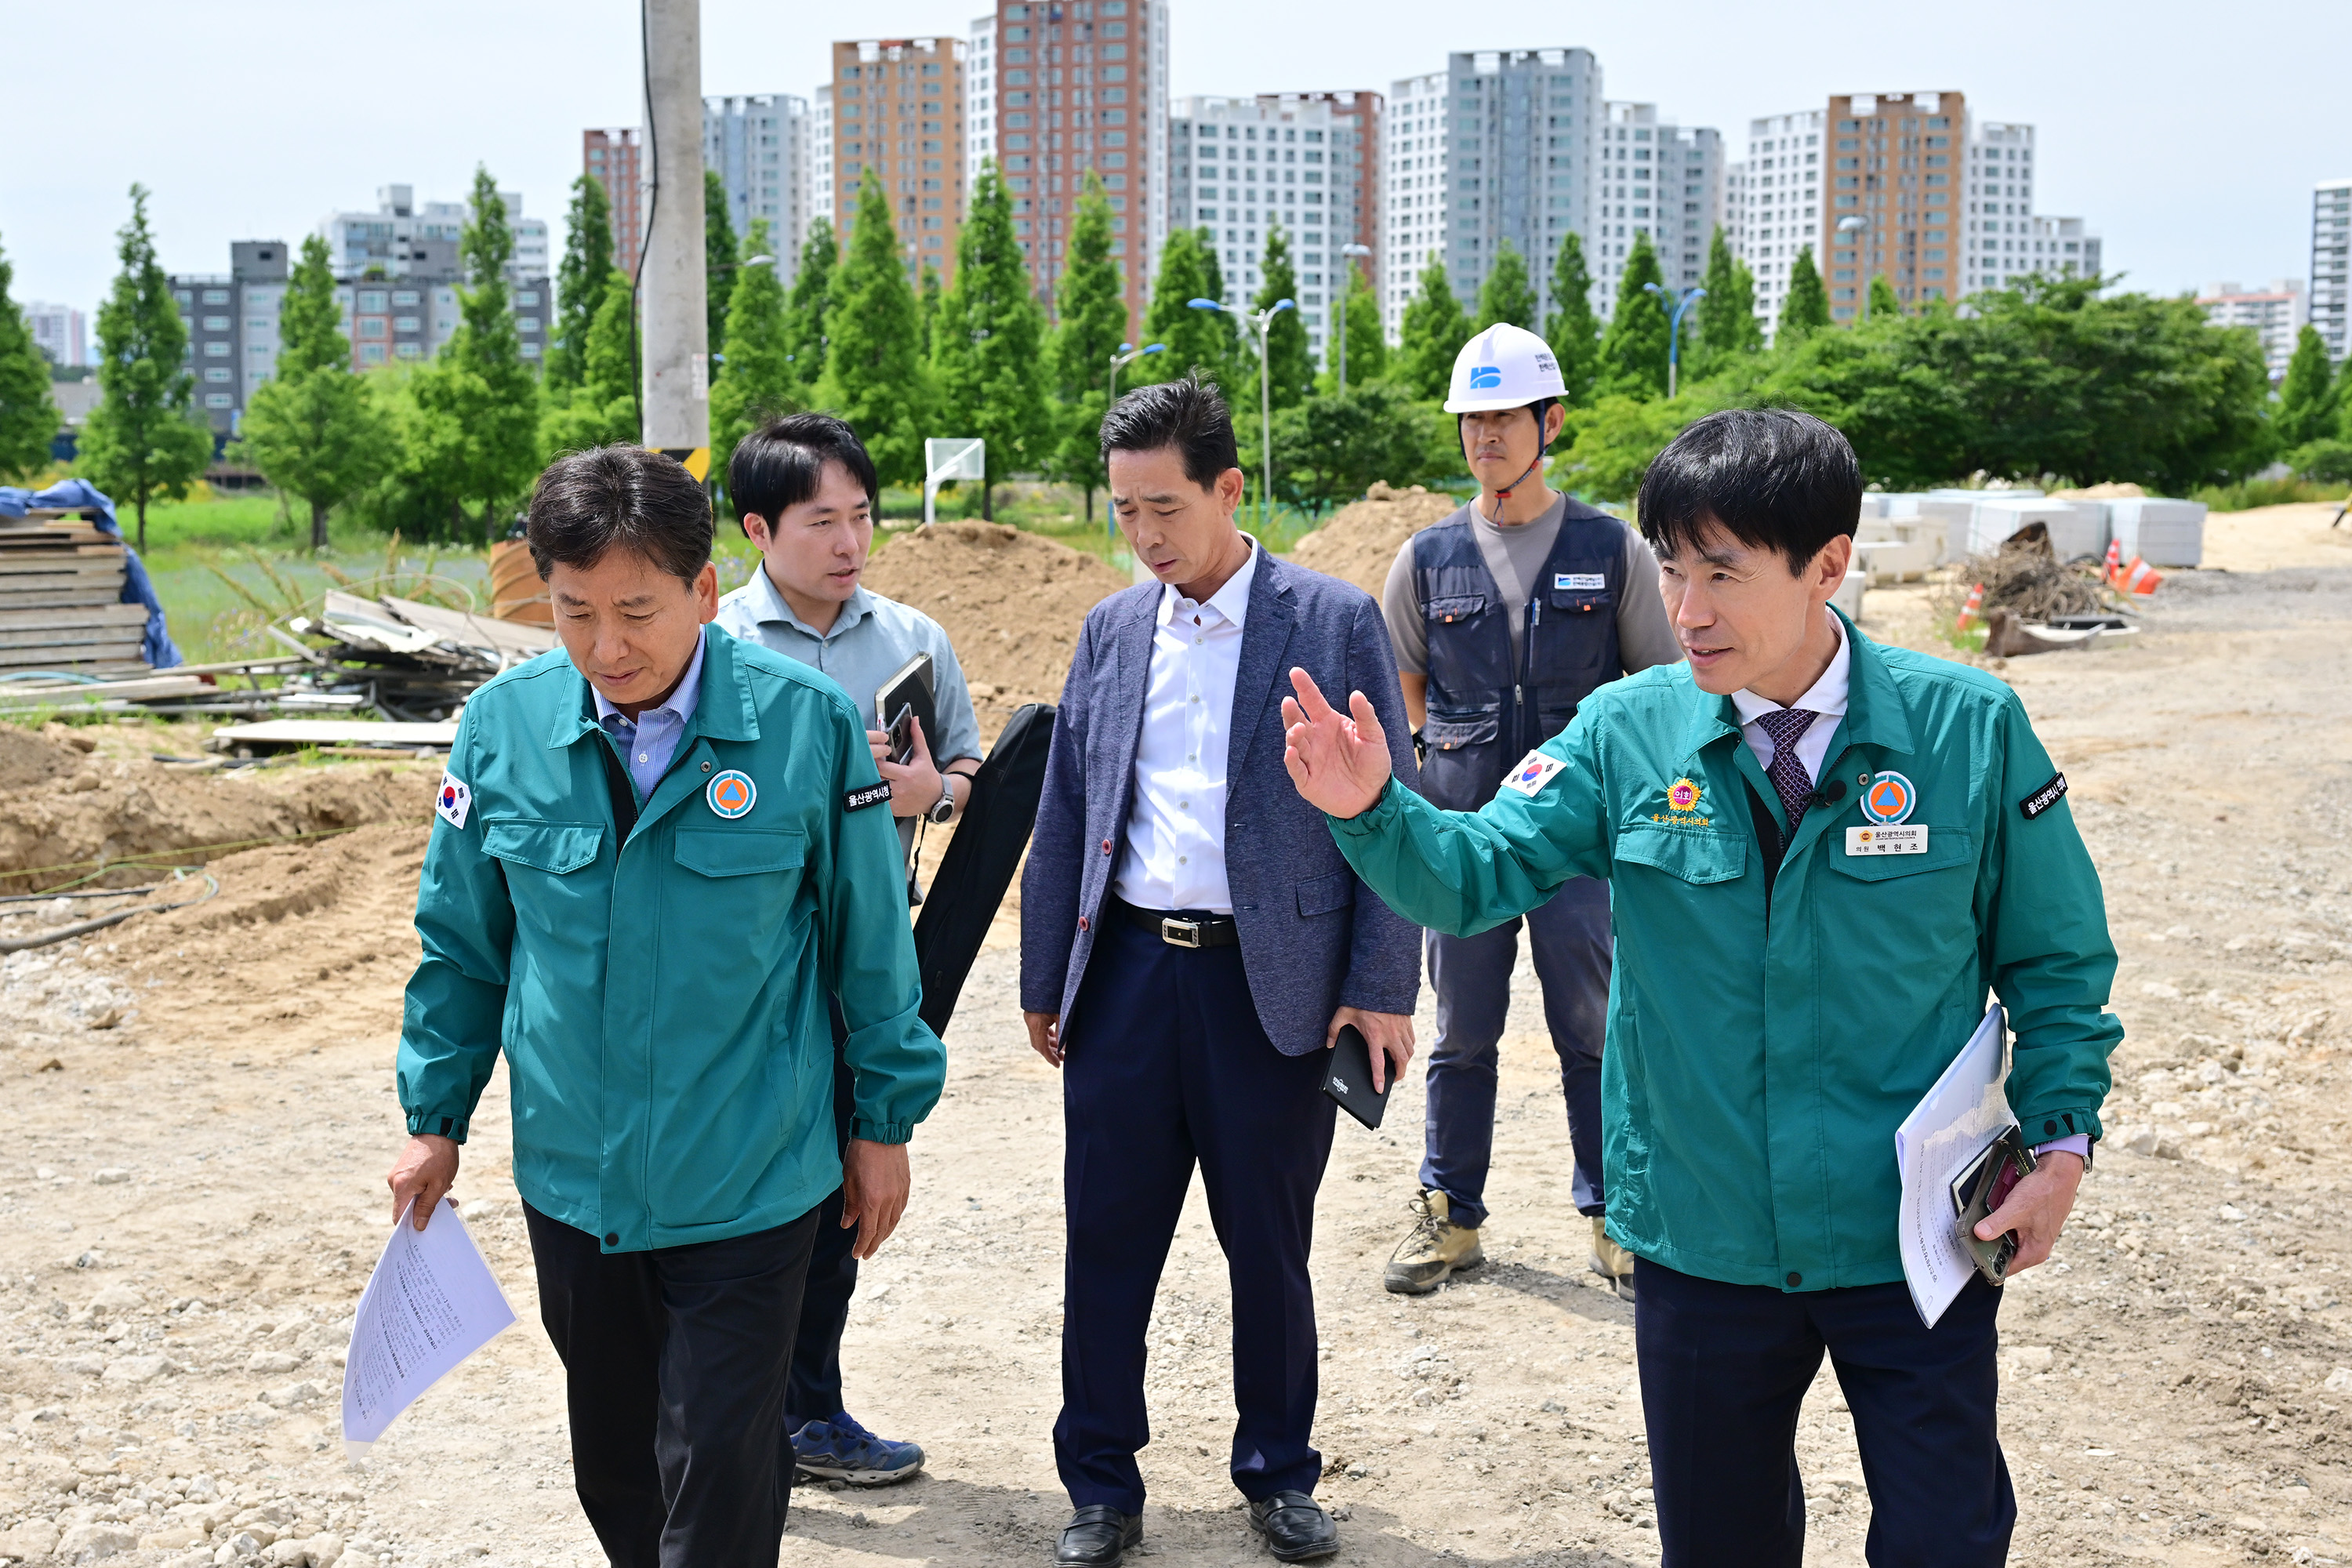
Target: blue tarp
x,y
80,495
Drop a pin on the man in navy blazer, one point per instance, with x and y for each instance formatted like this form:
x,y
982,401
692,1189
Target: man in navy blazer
x,y
1192,942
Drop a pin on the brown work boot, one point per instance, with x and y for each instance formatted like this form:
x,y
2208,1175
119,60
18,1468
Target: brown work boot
x,y
1433,1250
1611,1261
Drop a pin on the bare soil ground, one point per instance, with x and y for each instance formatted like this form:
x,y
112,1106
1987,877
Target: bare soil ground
x,y
191,1198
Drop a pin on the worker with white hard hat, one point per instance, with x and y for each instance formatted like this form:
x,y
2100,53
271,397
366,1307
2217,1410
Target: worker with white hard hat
x,y
1504,617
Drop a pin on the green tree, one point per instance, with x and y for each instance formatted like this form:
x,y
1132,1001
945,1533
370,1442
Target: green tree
x,y
1332,447
1507,294
1634,349
1571,330
579,281
756,384
1199,342
927,306
1289,362
1806,309
720,254
1883,304
873,377
1368,345
1606,447
603,409
143,442
804,310
991,359
1433,333
476,402
2306,406
313,429
1092,306
28,414
1727,327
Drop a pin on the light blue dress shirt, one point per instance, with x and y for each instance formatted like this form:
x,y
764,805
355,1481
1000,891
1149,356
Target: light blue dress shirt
x,y
649,742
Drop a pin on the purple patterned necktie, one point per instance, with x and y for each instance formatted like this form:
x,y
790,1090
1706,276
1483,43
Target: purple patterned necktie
x,y
1794,786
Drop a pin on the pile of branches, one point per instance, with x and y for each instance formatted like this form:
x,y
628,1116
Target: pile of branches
x,y
2025,578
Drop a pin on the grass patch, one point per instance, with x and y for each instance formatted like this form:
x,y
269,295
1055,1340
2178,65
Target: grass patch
x,y
2265,492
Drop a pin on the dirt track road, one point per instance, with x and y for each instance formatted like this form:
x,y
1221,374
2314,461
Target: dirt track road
x,y
190,1201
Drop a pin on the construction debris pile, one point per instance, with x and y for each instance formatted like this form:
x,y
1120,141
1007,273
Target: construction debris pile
x,y
61,599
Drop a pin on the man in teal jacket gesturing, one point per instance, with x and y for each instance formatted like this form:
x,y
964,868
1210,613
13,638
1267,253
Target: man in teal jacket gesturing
x,y
662,854
1784,993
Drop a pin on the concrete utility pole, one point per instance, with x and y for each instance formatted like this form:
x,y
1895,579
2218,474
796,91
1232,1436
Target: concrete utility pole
x,y
672,283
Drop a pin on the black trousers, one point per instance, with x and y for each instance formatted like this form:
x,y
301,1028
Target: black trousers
x,y
1167,1065
674,1365
1724,1369
814,1391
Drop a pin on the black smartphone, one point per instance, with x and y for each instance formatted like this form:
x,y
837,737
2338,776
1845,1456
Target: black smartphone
x,y
1347,1078
1980,1190
901,741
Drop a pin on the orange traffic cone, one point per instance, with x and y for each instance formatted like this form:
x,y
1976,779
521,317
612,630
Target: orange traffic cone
x,y
1968,611
2115,573
2141,578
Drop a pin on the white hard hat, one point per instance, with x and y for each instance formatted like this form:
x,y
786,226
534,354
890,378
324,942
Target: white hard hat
x,y
1503,367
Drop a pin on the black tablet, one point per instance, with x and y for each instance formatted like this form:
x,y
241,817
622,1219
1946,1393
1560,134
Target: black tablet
x,y
1348,1077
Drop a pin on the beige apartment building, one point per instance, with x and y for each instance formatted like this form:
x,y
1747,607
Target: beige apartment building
x,y
1894,203
896,106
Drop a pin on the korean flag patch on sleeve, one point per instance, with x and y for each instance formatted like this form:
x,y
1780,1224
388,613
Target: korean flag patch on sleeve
x,y
1534,771
453,800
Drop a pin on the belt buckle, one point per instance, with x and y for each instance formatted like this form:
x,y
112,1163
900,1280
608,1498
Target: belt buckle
x,y
1180,933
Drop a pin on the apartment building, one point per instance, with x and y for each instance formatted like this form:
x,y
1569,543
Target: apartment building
x,y
1500,147
759,143
1239,166
1073,85
1772,203
357,241
232,323
898,108
59,331
2331,266
1657,178
2276,313
614,159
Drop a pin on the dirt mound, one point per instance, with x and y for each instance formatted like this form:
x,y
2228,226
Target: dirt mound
x,y
1012,603
1360,542
2114,490
26,759
104,808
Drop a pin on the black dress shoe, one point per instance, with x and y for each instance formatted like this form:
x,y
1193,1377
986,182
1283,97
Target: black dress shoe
x,y
1097,1537
1295,1526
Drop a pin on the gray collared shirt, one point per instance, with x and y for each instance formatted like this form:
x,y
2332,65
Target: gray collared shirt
x,y
870,640
649,742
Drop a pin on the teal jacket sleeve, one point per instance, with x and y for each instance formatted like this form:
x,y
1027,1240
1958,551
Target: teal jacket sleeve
x,y
898,1066
2044,922
1462,872
452,1021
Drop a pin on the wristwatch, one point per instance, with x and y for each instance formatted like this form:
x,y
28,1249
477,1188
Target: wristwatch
x,y
945,807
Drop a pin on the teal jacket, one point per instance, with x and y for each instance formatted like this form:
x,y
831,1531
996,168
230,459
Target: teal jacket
x,y
1767,1035
663,1002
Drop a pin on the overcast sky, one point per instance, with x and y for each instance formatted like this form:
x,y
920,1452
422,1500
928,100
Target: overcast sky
x,y
2189,139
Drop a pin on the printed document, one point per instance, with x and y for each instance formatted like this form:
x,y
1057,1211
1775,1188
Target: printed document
x,y
1959,1120
431,1304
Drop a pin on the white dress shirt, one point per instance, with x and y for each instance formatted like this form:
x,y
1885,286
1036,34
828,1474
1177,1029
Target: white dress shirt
x,y
1826,698
1173,856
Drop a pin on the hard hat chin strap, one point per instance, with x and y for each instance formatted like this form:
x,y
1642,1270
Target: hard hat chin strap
x,y
1542,409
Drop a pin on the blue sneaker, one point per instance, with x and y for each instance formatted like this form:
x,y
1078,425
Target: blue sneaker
x,y
842,1450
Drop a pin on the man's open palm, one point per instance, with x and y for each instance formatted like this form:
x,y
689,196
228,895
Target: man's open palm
x,y
1339,761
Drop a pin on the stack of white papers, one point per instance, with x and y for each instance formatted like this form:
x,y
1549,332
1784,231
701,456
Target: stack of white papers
x,y
431,1303
1960,1119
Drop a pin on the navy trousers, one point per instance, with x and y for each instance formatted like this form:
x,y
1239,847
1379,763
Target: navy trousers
x,y
1724,1368
814,1391
1165,1065
674,1367
1569,935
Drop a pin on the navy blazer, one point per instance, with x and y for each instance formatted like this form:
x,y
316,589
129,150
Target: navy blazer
x,y
1314,938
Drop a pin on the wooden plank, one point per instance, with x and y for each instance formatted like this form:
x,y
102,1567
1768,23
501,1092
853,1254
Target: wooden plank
x,y
516,641
110,689
107,615
57,538
64,655
45,564
68,637
336,732
80,597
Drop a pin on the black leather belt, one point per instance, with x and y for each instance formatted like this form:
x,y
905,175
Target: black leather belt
x,y
1177,929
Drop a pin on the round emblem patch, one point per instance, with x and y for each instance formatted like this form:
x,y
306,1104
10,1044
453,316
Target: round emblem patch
x,y
1682,795
731,795
1888,799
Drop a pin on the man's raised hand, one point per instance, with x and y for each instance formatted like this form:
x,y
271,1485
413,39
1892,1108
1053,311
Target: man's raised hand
x,y
1339,761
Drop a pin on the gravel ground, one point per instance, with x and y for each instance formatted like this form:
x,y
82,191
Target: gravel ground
x,y
197,1112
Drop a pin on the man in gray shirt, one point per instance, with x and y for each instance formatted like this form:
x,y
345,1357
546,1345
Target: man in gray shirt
x,y
805,490
1504,617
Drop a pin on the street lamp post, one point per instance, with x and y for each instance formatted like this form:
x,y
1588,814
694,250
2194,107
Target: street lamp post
x,y
1127,354
1675,329
1347,283
746,261
1261,321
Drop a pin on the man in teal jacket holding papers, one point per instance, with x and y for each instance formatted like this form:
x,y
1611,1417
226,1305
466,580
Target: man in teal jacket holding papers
x,y
1823,853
